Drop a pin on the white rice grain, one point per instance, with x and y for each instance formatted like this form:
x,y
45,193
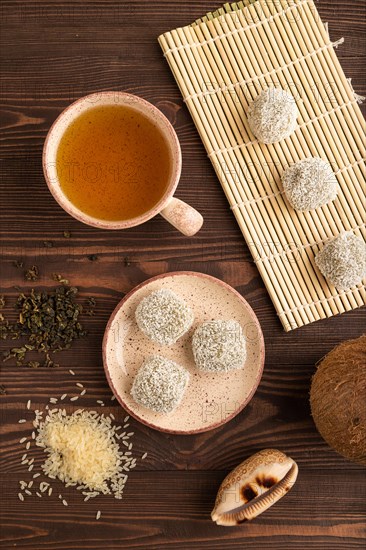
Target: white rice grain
x,y
99,513
28,404
21,421
20,496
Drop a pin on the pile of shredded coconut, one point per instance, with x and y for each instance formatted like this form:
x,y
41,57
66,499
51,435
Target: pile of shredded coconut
x,y
343,260
272,115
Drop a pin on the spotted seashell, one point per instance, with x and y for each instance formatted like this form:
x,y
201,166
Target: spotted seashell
x,y
253,486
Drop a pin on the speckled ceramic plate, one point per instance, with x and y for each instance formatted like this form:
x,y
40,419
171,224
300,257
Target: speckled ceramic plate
x,y
210,399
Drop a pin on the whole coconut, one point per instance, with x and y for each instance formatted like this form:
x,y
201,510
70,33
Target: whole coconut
x,y
338,399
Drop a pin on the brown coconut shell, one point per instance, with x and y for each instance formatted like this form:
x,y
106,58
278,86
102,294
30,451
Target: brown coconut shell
x,y
338,399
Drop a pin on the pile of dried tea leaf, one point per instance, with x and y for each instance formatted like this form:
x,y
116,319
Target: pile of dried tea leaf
x,y
48,322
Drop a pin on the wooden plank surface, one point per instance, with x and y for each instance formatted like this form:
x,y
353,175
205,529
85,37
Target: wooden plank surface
x,y
53,53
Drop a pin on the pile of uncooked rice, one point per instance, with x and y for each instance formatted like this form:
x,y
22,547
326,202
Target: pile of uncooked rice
x,y
83,450
163,316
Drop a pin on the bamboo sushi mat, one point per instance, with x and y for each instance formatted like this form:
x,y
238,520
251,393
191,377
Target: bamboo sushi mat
x,y
221,62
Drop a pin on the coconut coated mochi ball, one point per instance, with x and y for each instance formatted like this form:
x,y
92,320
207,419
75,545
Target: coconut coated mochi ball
x,y
160,384
343,260
219,346
164,317
309,184
272,115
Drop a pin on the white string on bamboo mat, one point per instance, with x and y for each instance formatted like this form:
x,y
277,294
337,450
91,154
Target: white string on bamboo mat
x,y
272,195
234,85
258,199
319,302
298,248
234,31
299,127
360,98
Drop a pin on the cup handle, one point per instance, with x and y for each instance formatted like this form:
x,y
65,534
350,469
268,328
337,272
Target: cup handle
x,y
182,216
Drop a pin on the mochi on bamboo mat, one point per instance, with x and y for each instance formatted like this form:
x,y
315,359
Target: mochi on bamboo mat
x,y
221,63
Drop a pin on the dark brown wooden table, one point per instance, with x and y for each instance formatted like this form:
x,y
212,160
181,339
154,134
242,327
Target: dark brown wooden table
x,y
53,53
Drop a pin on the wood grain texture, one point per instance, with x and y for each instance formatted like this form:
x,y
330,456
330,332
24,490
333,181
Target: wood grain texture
x,y
53,53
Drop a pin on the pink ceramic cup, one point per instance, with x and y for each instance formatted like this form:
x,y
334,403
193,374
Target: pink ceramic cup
x,y
182,216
